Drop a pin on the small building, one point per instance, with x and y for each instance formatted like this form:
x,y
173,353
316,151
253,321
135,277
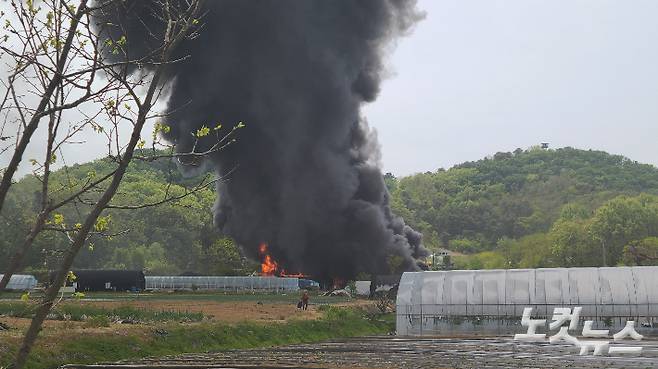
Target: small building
x,y
440,259
107,280
362,288
21,282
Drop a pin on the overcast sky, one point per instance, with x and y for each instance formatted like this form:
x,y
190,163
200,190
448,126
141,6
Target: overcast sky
x,y
477,77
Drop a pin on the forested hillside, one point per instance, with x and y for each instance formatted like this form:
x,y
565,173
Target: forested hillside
x,y
536,207
170,238
528,208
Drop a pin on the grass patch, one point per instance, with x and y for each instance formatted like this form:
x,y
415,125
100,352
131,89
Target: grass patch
x,y
80,313
289,298
170,339
97,322
16,309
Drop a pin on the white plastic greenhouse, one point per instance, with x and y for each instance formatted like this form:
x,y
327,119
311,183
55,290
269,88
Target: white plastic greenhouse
x,y
268,284
426,300
21,282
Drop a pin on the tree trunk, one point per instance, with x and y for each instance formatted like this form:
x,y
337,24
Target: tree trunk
x,y
170,42
32,126
81,237
17,259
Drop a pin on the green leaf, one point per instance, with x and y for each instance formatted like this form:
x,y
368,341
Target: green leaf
x,y
203,131
78,295
102,223
58,219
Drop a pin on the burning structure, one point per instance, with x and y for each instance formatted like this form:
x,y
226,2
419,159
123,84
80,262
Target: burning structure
x,y
269,267
307,179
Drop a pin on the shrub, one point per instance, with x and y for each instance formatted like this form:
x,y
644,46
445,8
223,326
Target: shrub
x,y
97,321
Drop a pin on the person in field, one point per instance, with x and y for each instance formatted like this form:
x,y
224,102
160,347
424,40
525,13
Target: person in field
x,y
305,299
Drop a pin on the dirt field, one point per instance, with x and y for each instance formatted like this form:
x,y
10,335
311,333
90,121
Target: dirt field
x,y
272,308
228,312
234,312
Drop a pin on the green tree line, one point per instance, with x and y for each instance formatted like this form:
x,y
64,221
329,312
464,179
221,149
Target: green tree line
x,y
171,238
528,208
536,208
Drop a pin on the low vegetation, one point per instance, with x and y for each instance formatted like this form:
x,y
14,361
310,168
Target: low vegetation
x,y
80,313
172,338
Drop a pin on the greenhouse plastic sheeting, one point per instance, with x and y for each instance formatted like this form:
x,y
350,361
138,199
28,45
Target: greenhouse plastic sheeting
x,y
20,282
271,284
601,292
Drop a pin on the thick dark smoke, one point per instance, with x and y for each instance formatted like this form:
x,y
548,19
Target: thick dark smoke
x,y
307,181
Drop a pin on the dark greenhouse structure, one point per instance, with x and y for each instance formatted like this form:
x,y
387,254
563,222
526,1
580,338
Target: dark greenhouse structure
x,y
107,280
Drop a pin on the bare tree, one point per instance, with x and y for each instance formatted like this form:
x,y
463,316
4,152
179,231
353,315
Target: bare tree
x,y
46,48
133,96
53,66
119,102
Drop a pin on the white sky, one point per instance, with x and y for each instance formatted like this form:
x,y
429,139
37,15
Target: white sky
x,y
477,77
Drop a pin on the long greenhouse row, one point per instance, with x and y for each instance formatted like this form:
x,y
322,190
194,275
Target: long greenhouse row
x,y
270,284
127,281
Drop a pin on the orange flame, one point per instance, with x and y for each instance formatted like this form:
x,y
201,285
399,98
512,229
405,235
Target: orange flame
x,y
267,266
292,275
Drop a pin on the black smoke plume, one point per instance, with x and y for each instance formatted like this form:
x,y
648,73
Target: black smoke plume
x,y
306,177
